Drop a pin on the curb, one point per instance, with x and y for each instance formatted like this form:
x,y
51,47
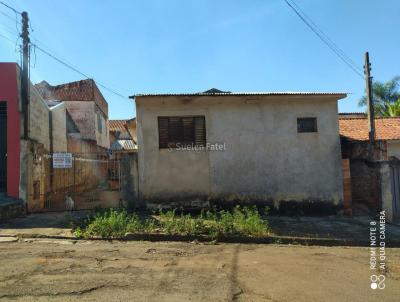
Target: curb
x,y
225,239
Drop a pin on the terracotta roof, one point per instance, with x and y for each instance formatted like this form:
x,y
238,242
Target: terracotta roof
x,y
84,90
356,129
117,125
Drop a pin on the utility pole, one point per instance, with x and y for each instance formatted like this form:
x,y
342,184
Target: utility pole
x,y
370,104
25,72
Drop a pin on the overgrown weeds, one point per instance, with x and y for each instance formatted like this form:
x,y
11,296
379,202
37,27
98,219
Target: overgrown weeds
x,y
244,221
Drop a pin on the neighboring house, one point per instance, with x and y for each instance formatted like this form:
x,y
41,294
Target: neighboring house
x,y
122,136
248,147
374,167
89,111
19,177
354,135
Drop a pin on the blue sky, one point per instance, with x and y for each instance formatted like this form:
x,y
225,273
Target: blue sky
x,y
137,46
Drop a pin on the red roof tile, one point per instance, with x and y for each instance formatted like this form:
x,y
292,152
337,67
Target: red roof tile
x,y
387,128
117,125
84,90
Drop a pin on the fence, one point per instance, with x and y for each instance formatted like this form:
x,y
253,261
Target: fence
x,y
90,181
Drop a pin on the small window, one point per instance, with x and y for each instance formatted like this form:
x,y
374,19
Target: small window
x,y
307,124
176,131
99,123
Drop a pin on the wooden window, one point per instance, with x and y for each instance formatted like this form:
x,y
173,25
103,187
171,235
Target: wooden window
x,y
174,131
307,124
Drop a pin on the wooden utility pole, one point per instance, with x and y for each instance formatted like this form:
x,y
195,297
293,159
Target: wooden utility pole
x,y
25,72
370,104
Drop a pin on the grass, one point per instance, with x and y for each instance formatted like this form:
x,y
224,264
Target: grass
x,y
244,221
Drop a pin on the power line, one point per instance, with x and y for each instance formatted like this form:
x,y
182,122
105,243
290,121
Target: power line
x,y
9,7
324,38
327,37
7,38
8,16
77,71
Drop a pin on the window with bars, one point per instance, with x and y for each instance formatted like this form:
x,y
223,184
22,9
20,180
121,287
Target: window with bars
x,y
174,131
307,124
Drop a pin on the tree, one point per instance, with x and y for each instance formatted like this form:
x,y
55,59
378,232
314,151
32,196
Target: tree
x,y
385,96
388,109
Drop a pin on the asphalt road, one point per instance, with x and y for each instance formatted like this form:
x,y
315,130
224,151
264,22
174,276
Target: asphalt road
x,y
62,270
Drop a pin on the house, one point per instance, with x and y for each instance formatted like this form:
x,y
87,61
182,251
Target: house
x,y
354,135
222,147
374,166
19,160
88,110
122,136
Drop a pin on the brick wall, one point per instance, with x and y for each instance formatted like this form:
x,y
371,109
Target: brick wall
x,y
365,185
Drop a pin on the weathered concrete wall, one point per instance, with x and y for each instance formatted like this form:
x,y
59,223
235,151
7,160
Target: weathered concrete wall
x,y
130,180
83,114
265,158
86,115
39,119
365,186
393,149
102,131
131,126
59,131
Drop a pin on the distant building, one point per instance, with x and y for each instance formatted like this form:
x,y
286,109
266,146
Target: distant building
x,y
123,136
88,110
354,135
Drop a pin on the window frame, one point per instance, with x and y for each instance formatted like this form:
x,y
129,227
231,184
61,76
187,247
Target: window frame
x,y
178,134
306,129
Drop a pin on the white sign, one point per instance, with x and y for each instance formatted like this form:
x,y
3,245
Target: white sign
x,y
62,160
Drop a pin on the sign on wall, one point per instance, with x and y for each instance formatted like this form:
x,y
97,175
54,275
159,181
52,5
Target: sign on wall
x,y
62,160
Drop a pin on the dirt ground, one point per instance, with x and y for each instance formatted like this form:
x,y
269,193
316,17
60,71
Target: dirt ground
x,y
67,270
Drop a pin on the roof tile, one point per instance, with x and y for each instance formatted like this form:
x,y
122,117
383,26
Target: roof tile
x,y
356,129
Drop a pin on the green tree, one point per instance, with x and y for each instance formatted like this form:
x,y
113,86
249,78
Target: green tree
x,y
385,96
388,109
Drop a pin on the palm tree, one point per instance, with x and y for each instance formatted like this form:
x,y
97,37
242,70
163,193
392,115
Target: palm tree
x,y
385,96
388,109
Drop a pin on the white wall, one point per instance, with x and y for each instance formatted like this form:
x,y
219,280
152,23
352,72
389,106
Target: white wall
x,y
265,157
59,128
393,149
39,119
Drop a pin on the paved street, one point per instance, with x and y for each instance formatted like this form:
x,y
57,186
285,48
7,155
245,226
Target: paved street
x,y
63,270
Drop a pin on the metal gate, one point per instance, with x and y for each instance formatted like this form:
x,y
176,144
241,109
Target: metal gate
x,y
395,182
3,146
91,181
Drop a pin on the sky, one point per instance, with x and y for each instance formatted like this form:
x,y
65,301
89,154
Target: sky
x,y
154,46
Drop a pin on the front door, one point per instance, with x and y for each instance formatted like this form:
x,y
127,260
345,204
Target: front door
x,y
3,146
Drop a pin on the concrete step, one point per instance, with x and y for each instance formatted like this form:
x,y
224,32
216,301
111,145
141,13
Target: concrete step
x,y
11,207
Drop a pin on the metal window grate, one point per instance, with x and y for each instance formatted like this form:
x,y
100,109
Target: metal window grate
x,y
307,124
